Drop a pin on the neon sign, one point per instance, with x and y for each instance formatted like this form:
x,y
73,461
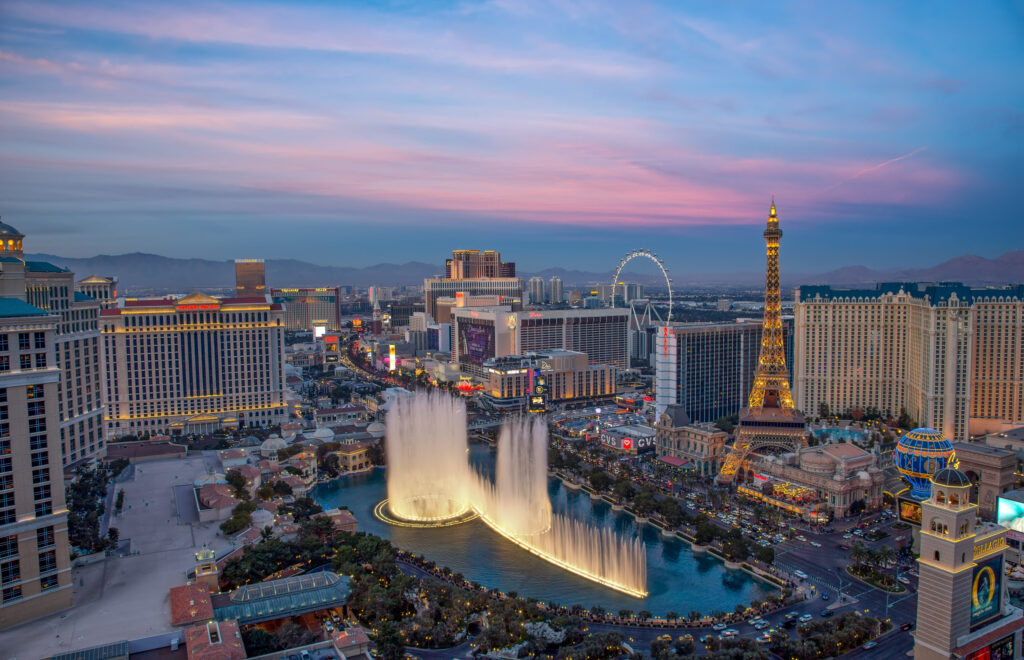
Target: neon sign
x,y
187,308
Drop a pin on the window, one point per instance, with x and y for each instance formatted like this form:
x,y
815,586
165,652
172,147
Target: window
x,y
41,475
37,407
937,556
40,459
37,425
40,360
10,571
45,537
26,361
11,594
9,546
41,492
23,342
47,561
40,338
43,508
48,582
4,346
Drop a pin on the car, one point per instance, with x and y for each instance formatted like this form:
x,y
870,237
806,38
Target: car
x,y
686,638
815,544
764,639
761,625
903,579
730,632
719,626
907,626
789,623
870,645
843,546
791,615
826,613
824,595
706,638
800,574
805,618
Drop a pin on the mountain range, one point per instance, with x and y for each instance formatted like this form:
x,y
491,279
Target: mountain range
x,y
150,272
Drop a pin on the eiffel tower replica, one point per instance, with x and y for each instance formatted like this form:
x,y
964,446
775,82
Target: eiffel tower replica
x,y
769,420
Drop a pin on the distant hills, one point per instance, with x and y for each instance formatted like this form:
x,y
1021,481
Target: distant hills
x,y
150,272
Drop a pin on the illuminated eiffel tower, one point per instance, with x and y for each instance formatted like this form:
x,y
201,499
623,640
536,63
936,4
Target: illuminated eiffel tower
x,y
769,420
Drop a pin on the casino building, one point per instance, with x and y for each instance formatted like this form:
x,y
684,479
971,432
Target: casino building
x,y
306,309
962,605
193,365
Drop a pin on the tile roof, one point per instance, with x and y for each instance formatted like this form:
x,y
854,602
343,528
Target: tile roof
x,y
190,603
201,644
43,267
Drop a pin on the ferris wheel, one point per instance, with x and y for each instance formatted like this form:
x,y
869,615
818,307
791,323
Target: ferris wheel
x,y
645,254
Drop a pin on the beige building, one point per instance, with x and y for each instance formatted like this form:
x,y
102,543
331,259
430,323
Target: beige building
x,y
962,605
990,469
76,347
35,569
701,444
193,365
97,287
306,309
568,378
509,290
838,475
950,355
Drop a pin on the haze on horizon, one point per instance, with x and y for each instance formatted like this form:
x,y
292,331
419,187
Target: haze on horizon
x,y
561,133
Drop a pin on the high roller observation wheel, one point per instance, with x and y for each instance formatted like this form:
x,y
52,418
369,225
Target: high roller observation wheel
x,y
645,254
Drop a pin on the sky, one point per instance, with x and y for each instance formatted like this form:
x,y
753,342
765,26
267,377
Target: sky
x,y
561,132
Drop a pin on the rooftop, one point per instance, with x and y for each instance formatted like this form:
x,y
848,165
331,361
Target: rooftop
x,y
286,597
43,267
14,307
190,603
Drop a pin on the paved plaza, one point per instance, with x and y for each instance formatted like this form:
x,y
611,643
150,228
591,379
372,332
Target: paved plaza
x,y
128,597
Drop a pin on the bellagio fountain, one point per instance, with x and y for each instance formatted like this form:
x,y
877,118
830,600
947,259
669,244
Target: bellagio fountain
x,y
431,484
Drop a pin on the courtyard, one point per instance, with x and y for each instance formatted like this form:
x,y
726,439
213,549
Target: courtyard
x,y
127,597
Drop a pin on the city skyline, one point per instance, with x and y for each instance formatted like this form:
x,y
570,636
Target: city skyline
x,y
261,128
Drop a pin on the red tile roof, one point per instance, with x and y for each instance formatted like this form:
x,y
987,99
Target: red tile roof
x,y
191,603
227,645
673,460
217,496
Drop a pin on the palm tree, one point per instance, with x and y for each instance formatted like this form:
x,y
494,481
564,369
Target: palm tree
x,y
858,554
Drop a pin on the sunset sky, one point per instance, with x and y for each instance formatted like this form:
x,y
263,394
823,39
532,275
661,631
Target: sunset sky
x,y
561,133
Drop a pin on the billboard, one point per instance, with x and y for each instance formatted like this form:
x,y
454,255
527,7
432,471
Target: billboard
x,y
999,650
1010,514
476,342
909,510
986,590
391,357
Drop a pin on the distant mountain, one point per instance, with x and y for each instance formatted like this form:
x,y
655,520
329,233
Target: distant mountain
x,y
151,272
969,269
139,271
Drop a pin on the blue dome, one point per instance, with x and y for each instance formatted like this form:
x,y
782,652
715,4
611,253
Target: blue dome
x,y
918,455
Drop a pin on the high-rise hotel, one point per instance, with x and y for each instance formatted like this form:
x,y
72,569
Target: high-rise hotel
x,y
76,343
35,569
475,273
950,355
193,365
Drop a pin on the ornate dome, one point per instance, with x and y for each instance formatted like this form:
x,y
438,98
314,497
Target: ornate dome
x,y
273,443
7,230
948,476
918,455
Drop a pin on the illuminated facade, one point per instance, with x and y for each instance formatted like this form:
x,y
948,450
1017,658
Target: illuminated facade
x,y
485,332
702,445
567,378
102,289
950,355
770,419
35,567
962,607
473,264
508,289
193,365
708,368
305,309
250,278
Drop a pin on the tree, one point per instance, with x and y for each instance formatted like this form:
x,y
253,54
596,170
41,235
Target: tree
x,y
282,488
671,615
599,479
260,642
114,535
823,410
236,480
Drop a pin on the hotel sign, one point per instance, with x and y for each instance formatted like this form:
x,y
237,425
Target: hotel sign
x,y
189,308
988,547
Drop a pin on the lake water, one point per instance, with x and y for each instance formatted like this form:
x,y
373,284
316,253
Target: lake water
x,y
676,578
